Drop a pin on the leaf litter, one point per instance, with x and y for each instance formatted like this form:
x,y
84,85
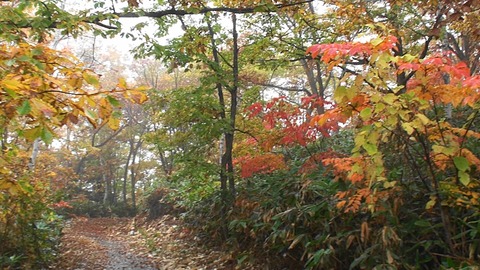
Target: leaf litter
x,y
137,243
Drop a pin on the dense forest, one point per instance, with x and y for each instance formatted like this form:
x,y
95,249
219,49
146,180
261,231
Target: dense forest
x,y
303,134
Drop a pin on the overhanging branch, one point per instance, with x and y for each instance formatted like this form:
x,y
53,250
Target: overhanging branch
x,y
179,12
283,88
99,23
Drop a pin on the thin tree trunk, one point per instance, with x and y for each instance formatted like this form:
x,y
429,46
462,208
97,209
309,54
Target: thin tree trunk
x,y
230,136
115,187
221,100
216,67
133,179
125,175
35,151
107,179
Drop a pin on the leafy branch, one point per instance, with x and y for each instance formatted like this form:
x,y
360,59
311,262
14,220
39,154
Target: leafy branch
x,y
180,12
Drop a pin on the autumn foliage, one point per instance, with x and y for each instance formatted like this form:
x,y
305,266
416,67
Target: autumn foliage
x,y
42,90
409,139
345,138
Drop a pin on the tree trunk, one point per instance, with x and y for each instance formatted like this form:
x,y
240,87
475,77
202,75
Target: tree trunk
x,y
221,100
33,157
230,136
125,175
135,148
115,187
107,179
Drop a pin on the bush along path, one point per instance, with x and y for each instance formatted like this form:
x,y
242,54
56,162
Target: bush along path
x,y
135,243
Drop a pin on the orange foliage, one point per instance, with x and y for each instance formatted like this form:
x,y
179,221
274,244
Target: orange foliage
x,y
260,164
312,163
342,167
293,124
62,204
333,54
438,79
351,202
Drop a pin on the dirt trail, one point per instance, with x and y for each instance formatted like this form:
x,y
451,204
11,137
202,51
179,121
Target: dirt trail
x,y
124,243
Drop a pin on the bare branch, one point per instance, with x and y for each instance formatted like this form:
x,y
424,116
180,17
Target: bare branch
x,y
283,88
113,135
248,133
97,22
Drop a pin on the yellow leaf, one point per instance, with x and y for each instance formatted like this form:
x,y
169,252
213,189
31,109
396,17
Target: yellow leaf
x,y
425,121
122,84
143,88
90,77
105,109
12,84
75,81
443,150
137,96
43,107
33,133
296,241
408,128
5,185
431,203
86,100
113,123
10,187
390,98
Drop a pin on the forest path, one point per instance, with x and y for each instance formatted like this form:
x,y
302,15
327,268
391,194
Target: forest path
x,y
127,243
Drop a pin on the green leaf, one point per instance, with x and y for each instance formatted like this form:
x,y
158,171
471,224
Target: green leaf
x,y
90,77
360,139
24,58
464,178
91,114
10,62
423,223
370,148
366,113
408,57
390,98
37,51
25,108
343,92
461,163
26,187
443,150
339,93
46,135
376,41
113,101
